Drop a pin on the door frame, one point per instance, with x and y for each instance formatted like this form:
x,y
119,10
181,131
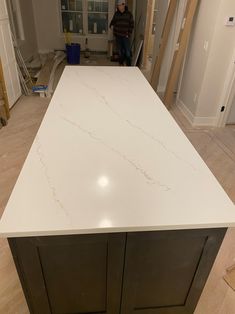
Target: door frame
x,y
228,94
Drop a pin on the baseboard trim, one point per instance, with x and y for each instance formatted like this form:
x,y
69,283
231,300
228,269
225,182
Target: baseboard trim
x,y
195,121
186,112
205,121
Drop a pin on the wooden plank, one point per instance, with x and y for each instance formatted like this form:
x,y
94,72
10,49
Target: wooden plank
x,y
137,52
4,92
180,52
44,76
165,35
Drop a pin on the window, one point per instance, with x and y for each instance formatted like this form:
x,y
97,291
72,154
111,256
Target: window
x,y
72,16
97,17
85,17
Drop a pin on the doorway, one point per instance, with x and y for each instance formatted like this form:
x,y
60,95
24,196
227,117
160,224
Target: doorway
x,y
231,115
226,110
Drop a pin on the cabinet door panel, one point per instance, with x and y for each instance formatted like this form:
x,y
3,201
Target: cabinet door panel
x,y
165,271
73,274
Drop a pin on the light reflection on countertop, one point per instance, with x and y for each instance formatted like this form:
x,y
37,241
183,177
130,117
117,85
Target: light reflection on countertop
x,y
103,182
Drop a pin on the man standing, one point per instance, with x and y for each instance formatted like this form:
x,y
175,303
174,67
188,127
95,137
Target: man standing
x,y
123,25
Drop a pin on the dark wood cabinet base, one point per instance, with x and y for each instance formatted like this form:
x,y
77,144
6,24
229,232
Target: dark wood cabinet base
x,y
160,272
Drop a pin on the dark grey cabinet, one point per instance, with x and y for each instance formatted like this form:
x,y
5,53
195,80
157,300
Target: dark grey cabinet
x,y
166,271
71,274
160,272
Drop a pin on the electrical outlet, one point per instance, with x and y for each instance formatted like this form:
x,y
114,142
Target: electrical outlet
x,y
230,21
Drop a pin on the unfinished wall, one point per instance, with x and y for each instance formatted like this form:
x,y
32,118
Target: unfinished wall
x,y
209,54
48,28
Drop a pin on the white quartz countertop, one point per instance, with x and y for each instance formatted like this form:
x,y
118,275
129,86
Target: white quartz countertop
x,y
108,157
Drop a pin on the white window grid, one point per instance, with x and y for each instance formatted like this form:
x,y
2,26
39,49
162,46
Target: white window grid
x,y
85,11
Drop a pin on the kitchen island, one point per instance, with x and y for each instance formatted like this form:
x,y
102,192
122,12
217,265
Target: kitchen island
x,y
114,211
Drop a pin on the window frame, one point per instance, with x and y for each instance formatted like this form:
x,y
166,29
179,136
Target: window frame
x,y
85,13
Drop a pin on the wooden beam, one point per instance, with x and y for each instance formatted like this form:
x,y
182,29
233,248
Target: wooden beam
x,y
4,90
180,52
164,40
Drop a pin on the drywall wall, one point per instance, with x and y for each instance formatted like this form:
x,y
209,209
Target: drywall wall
x,y
197,57
209,54
22,23
49,33
221,52
28,46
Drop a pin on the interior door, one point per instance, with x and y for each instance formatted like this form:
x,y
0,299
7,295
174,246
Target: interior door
x,y
8,59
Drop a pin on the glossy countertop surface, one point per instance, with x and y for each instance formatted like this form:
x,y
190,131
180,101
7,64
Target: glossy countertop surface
x,y
109,157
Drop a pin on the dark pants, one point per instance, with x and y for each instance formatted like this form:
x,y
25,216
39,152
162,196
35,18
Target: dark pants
x,y
124,47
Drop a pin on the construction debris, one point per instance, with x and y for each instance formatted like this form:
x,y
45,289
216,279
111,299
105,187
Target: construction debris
x,y
45,81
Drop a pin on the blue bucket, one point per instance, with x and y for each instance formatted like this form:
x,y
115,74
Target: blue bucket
x,y
73,53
